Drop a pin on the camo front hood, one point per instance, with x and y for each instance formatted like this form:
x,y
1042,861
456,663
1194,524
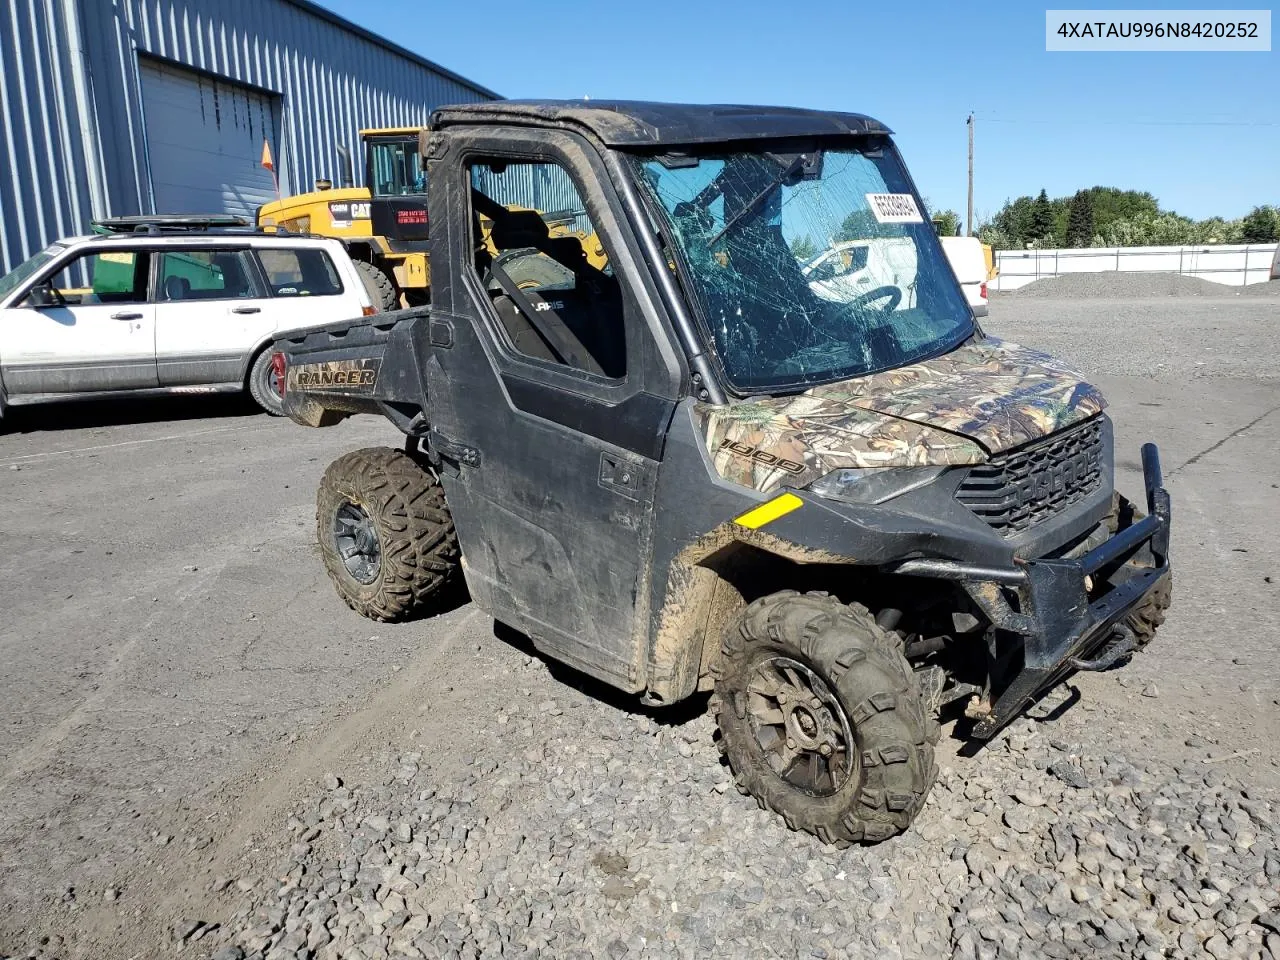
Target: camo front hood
x,y
955,409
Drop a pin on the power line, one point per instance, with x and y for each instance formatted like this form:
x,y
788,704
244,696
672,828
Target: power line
x,y
1134,123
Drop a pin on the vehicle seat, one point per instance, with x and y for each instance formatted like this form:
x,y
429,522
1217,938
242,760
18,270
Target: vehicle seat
x,y
526,228
578,318
585,316
177,288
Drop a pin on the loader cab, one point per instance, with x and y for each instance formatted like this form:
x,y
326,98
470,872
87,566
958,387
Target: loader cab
x,y
397,185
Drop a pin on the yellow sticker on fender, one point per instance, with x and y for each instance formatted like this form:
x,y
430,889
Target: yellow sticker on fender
x,y
757,517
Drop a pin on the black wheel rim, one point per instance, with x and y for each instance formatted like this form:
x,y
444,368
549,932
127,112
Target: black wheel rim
x,y
273,383
801,726
357,542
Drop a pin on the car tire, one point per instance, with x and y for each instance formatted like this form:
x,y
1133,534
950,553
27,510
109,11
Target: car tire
x,y
381,288
802,673
263,384
385,532
1148,616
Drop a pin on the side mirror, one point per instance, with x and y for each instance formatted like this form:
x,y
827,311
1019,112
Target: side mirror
x,y
43,295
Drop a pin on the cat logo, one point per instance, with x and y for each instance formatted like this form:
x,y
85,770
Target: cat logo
x,y
343,212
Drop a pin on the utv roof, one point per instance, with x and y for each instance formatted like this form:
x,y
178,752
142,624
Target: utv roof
x,y
637,123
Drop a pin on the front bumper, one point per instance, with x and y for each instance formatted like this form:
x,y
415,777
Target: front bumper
x,y
1062,630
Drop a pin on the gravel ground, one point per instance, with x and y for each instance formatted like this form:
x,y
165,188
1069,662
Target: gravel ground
x,y
257,773
1133,286
631,842
1165,340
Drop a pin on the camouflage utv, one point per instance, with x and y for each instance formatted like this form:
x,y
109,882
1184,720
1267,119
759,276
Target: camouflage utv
x,y
753,442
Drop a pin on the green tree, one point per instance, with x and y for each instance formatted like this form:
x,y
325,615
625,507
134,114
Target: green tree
x,y
996,238
861,224
1171,230
1111,203
1013,221
1120,218
1080,225
947,223
1261,225
1218,230
1040,227
803,248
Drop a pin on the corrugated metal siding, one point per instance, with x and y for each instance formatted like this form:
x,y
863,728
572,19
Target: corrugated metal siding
x,y
62,165
41,196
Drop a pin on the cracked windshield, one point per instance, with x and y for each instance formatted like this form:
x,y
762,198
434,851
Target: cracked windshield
x,y
808,265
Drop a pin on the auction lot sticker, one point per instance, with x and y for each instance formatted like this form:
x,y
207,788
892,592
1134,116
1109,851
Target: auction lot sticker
x,y
1167,30
894,208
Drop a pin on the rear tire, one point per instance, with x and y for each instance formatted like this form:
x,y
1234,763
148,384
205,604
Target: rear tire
x,y
382,289
859,685
385,532
264,386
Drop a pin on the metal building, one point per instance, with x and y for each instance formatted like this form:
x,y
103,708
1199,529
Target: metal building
x,y
114,107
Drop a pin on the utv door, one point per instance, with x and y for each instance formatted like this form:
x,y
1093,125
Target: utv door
x,y
552,400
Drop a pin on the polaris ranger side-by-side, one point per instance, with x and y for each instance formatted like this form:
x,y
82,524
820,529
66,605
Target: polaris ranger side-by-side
x,y
756,445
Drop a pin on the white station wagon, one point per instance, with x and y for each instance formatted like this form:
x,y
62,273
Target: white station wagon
x,y
164,311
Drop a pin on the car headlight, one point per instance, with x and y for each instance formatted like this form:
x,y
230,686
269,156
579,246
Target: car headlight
x,y
873,484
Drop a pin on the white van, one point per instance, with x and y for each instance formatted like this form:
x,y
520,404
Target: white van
x,y
970,266
853,267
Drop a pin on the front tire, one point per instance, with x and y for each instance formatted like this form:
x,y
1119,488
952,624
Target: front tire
x,y
385,532
380,287
821,718
1148,616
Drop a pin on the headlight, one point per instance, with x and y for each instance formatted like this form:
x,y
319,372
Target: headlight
x,y
873,484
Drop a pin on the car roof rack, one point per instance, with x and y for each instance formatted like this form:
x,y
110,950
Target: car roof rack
x,y
159,223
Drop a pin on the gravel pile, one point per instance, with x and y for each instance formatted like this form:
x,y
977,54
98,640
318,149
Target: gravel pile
x,y
1268,288
1118,286
580,830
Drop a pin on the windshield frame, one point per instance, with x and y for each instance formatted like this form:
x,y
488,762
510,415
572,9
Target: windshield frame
x,y
661,223
28,269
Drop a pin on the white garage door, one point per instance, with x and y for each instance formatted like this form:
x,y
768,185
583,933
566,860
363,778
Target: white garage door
x,y
204,142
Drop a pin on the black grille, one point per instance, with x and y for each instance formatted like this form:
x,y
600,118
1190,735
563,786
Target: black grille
x,y
1018,489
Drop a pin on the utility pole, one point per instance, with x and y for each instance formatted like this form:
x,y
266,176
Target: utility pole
x,y
968,217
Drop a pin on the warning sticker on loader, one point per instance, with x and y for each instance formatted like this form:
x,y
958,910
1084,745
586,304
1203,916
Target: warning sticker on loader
x,y
338,376
894,208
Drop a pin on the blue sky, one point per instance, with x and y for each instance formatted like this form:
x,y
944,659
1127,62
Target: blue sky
x,y
1199,130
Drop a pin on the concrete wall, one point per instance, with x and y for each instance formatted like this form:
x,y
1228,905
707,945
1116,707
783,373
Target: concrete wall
x,y
1231,264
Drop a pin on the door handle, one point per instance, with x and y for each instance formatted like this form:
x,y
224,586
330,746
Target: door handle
x,y
246,309
126,315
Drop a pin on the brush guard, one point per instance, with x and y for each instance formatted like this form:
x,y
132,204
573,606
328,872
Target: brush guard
x,y
1062,630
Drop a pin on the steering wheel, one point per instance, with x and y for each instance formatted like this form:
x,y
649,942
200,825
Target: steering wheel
x,y
819,354
893,294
